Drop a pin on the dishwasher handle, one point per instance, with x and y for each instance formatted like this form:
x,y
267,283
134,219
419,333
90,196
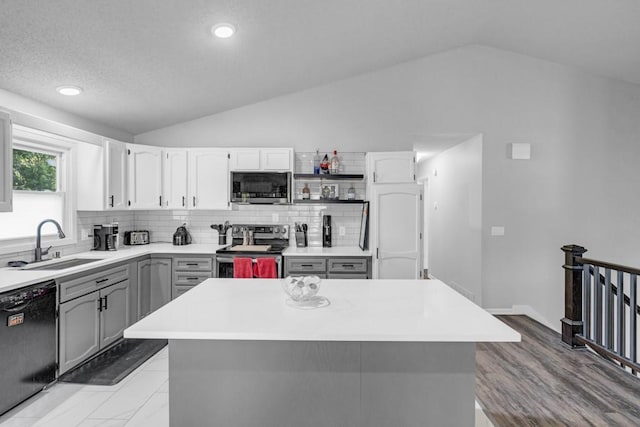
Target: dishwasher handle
x,y
21,306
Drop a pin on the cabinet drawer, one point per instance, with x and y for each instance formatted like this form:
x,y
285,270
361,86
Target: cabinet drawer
x,y
307,265
347,265
347,276
186,278
74,288
179,290
193,264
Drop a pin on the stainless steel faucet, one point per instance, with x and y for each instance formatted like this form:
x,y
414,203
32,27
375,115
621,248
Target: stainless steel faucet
x,y
39,250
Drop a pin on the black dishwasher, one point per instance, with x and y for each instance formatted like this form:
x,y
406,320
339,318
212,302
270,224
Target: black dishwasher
x,y
27,342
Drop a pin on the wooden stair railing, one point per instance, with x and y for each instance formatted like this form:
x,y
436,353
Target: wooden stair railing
x,y
596,310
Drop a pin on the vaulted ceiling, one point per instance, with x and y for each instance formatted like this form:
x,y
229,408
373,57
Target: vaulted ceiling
x,y
147,64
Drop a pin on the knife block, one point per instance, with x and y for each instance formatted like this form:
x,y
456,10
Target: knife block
x,y
301,239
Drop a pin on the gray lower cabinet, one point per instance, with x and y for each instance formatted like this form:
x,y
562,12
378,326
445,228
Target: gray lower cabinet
x,y
189,272
93,321
327,267
154,284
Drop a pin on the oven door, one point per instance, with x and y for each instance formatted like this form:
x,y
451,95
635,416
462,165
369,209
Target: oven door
x,y
224,264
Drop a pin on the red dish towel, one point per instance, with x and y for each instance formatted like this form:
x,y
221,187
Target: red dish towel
x,y
265,268
242,268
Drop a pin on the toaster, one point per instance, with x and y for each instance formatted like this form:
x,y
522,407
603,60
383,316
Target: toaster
x,y
140,237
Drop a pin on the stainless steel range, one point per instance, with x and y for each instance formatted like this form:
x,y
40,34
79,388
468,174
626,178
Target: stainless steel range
x,y
253,241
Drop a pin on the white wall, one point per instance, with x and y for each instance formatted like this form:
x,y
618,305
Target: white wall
x,y
44,117
579,187
455,217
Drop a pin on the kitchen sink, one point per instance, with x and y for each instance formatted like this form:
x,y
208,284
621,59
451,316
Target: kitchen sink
x,y
61,265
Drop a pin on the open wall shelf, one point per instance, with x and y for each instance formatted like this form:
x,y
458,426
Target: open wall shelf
x,y
329,177
327,201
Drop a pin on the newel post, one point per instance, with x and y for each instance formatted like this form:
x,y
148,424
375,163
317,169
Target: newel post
x,y
572,322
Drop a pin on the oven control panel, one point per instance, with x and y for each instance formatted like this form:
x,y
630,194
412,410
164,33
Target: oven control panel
x,y
271,231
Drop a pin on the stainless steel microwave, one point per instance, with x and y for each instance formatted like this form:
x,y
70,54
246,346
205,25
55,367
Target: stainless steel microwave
x,y
273,188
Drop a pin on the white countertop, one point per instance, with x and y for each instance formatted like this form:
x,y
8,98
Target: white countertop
x,y
360,310
345,251
14,278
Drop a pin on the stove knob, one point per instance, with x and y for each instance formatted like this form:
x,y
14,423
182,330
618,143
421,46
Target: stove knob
x,y
276,230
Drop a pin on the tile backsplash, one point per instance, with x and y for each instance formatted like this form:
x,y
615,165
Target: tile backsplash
x,y
162,224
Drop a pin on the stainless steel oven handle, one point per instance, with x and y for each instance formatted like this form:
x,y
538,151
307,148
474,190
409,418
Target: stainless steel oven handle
x,y
230,259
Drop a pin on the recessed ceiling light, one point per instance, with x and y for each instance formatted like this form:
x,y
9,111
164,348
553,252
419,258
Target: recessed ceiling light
x,y
68,90
223,30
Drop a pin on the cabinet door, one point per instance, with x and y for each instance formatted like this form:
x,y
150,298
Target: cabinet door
x,y
79,330
91,174
276,159
391,168
6,173
145,177
244,160
144,288
397,225
154,284
116,179
208,179
114,316
160,282
174,179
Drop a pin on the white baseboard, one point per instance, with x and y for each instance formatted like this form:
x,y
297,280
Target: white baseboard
x,y
528,311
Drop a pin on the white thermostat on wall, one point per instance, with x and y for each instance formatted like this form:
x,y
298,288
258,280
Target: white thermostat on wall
x,y
520,151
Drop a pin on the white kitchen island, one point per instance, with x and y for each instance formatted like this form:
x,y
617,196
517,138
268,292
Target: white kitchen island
x,y
384,353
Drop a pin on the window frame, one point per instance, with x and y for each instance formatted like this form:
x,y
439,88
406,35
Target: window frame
x,y
25,138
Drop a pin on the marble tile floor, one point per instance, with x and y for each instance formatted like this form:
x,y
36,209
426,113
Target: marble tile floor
x,y
140,400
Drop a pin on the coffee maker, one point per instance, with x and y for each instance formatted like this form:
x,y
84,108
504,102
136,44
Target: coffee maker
x,y
105,237
326,231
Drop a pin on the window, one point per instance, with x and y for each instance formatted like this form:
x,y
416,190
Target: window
x,y
41,184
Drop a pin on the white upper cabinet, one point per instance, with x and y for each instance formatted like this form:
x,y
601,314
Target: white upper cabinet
x,y
6,175
391,167
245,159
261,159
116,176
145,176
277,159
90,177
174,179
208,178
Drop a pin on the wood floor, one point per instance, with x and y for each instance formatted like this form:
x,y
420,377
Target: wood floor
x,y
542,382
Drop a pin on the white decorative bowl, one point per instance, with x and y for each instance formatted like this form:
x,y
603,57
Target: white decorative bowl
x,y
302,291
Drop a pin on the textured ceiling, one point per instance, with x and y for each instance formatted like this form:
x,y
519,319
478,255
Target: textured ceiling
x,y
147,64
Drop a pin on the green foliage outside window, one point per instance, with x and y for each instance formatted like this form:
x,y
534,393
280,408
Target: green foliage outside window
x,y
34,171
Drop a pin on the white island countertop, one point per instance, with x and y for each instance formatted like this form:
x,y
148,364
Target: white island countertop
x,y
360,310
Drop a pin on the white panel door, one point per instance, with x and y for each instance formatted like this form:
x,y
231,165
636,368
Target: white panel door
x,y
245,159
6,174
174,176
391,167
116,179
145,177
397,219
208,179
276,159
